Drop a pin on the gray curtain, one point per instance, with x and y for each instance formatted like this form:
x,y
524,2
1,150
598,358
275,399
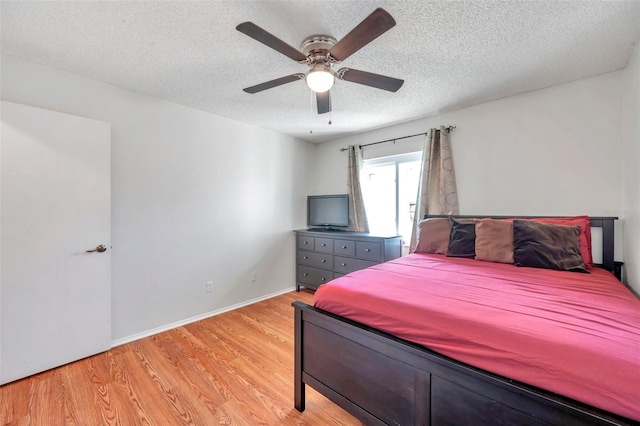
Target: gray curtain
x,y
357,215
437,189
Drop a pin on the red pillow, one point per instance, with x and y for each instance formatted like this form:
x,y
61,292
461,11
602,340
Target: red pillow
x,y
585,233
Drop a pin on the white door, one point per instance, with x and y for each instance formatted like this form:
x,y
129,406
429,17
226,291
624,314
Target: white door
x,y
55,204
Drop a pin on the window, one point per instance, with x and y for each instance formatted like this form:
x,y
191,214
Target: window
x,y
389,189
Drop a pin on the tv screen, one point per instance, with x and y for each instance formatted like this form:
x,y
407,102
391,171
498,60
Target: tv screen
x,y
328,210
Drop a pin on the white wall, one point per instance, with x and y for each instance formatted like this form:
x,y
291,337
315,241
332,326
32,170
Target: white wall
x,y
631,149
195,197
552,151
556,151
0,235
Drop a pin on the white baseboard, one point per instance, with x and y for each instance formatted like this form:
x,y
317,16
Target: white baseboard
x,y
177,324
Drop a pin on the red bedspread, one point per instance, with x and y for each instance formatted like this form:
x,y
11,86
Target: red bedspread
x,y
573,334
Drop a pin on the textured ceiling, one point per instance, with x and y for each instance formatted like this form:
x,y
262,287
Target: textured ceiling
x,y
451,54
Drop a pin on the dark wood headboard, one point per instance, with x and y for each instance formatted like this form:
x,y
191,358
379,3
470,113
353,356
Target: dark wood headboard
x,y
606,223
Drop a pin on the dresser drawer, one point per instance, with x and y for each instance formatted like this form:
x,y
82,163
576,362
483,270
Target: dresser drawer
x,y
316,260
324,245
344,265
344,248
305,243
313,277
370,251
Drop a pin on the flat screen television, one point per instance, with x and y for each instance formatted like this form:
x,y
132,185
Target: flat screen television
x,y
328,211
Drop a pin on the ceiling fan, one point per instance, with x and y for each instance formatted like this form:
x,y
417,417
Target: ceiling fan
x,y
321,52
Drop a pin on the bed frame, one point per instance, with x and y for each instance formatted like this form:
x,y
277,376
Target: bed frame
x,y
382,379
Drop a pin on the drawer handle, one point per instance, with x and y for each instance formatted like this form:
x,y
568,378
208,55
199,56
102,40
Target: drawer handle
x,y
305,257
344,264
306,242
324,260
324,245
324,279
367,250
305,275
344,247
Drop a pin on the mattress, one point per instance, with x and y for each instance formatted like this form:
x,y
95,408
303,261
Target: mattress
x,y
570,333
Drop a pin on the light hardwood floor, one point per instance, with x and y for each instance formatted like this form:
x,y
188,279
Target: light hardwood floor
x,y
231,369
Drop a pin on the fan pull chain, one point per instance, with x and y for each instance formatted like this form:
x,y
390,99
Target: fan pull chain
x,y
310,111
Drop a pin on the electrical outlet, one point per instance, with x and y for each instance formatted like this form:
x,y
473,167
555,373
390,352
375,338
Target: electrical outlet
x,y
209,287
253,277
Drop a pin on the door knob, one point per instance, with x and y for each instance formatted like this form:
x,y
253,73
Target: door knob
x,y
101,248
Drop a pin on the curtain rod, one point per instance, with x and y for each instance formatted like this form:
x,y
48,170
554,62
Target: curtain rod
x,y
448,129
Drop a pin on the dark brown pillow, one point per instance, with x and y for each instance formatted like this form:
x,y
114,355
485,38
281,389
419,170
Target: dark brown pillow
x,y
542,245
494,241
462,240
433,236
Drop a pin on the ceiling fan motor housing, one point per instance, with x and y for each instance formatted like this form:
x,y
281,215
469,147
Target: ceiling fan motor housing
x,y
317,47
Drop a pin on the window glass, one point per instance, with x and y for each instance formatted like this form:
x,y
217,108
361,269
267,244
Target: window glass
x,y
389,189
409,176
379,195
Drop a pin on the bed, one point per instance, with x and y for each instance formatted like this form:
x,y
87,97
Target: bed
x,y
384,379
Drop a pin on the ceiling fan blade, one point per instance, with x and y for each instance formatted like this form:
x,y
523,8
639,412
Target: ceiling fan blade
x,y
274,83
323,99
374,25
264,37
370,79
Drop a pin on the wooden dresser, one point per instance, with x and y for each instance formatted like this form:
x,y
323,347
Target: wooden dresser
x,y
324,255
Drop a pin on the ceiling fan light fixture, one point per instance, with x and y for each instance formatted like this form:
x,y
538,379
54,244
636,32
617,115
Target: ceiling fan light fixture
x,y
320,78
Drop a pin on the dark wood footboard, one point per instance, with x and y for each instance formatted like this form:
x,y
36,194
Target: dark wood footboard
x,y
381,379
